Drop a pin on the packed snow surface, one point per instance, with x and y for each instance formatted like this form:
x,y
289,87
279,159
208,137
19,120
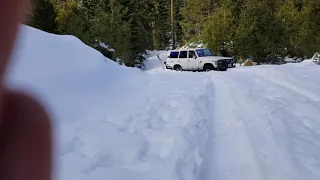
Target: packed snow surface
x,y
113,122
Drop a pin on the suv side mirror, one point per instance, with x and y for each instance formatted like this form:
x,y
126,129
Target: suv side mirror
x,y
195,57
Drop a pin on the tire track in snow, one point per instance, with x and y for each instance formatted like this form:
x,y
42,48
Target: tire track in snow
x,y
165,122
311,106
230,154
276,76
201,116
256,119
302,129
289,148
298,90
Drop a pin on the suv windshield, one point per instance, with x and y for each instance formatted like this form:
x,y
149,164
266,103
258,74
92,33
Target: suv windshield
x,y
204,52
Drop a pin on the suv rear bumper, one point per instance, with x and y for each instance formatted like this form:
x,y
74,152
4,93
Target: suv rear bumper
x,y
167,66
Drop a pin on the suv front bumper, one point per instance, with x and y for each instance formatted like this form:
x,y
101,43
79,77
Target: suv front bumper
x,y
222,65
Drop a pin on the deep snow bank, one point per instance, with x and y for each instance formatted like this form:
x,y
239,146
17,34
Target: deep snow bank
x,y
60,69
113,122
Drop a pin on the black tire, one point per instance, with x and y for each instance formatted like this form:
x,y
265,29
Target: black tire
x,y
177,68
208,67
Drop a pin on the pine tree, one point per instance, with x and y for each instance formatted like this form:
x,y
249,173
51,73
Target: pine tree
x,y
141,29
42,16
260,33
310,27
179,4
71,20
160,24
109,27
290,15
301,21
218,29
194,14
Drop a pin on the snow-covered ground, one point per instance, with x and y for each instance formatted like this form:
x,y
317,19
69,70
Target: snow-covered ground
x,y
113,122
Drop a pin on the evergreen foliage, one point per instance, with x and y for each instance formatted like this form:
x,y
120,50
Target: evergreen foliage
x,y
265,30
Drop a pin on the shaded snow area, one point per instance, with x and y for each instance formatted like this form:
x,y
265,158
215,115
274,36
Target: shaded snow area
x,y
113,122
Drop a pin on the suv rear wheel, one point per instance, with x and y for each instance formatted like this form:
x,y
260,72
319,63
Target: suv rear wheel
x,y
177,68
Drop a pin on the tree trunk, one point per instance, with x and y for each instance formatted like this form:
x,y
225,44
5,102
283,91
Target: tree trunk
x,y
172,26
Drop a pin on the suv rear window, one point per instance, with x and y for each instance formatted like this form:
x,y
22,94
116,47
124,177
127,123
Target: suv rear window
x,y
174,54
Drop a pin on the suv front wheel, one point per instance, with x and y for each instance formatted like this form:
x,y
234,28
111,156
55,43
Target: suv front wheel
x,y
208,67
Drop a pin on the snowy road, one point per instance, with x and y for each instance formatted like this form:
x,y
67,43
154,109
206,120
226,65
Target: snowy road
x,y
113,122
267,131
200,126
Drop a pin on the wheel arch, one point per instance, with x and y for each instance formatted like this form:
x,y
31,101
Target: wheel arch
x,y
208,65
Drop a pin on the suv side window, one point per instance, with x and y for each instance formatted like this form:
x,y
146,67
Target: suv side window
x,y
192,54
174,54
183,54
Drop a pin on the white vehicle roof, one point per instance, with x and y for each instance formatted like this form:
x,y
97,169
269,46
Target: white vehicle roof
x,y
194,49
184,49
187,49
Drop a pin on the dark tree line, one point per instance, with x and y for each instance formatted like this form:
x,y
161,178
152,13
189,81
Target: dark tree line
x,y
129,27
265,30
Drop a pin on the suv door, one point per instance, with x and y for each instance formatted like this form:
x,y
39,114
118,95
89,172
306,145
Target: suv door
x,y
172,59
183,58
193,61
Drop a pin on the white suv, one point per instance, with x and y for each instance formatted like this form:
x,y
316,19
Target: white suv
x,y
195,60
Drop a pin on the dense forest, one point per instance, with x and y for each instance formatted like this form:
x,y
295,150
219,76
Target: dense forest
x,y
265,30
